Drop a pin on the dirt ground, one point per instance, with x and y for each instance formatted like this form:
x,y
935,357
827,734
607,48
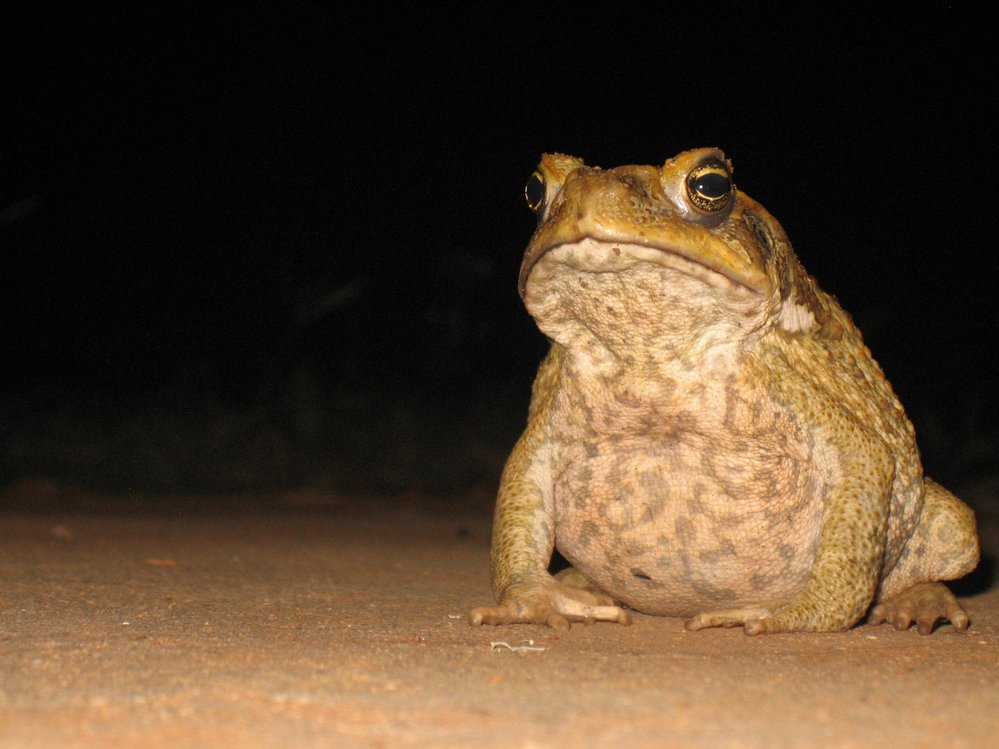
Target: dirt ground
x,y
342,624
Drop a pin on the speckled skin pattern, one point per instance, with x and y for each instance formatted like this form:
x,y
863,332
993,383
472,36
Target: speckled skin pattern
x,y
708,437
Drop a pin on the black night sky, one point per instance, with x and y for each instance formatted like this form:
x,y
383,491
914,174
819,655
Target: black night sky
x,y
250,251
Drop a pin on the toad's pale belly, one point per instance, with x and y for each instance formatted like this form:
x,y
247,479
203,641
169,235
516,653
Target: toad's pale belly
x,y
672,529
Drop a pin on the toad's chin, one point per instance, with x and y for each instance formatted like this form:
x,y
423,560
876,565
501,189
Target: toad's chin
x,y
597,256
630,299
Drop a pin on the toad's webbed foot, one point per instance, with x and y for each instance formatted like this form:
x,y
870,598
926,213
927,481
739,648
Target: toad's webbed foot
x,y
925,604
547,601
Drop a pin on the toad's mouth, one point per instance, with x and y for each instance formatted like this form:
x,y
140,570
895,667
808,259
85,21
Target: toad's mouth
x,y
592,255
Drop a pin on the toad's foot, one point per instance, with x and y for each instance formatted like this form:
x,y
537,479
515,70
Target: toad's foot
x,y
925,604
754,620
549,602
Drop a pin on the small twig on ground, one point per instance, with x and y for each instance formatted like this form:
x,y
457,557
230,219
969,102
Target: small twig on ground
x,y
522,647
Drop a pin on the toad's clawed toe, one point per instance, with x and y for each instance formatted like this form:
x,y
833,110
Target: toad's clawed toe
x,y
925,605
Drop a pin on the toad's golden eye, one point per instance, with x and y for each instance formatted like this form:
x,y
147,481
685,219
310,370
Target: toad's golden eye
x,y
534,192
709,186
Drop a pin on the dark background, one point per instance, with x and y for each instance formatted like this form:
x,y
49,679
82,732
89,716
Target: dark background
x,y
263,251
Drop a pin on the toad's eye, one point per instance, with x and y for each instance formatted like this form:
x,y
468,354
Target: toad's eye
x,y
534,192
709,186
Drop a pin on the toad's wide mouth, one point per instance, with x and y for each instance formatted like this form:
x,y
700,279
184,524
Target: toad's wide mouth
x,y
596,255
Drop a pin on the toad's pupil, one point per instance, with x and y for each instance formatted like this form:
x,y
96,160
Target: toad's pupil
x,y
712,185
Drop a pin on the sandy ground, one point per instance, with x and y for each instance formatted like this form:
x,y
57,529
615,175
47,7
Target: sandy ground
x,y
346,627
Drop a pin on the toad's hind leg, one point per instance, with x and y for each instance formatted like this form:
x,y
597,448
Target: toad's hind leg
x,y
943,546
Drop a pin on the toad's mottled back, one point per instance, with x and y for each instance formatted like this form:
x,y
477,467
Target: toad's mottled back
x,y
708,436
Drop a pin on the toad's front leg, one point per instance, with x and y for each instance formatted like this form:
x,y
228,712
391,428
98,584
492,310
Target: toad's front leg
x,y
522,545
847,564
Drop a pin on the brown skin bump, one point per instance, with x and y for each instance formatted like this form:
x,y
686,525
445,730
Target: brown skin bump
x,y
709,437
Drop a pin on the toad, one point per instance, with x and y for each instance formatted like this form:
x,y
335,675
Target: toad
x,y
708,436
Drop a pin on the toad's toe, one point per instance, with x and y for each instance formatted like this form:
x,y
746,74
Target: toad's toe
x,y
752,619
549,602
924,604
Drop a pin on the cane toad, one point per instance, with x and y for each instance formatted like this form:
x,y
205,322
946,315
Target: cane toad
x,y
708,437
